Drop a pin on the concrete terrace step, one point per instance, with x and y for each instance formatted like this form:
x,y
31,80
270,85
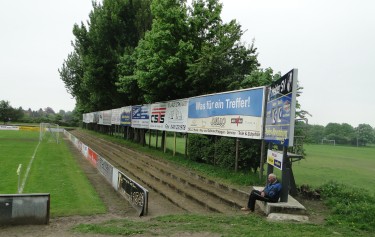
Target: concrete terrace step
x,y
287,217
144,180
204,194
290,207
231,196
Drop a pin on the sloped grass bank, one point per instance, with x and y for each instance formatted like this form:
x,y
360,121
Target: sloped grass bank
x,y
352,207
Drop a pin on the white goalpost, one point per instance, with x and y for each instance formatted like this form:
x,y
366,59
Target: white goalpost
x,y
329,142
49,131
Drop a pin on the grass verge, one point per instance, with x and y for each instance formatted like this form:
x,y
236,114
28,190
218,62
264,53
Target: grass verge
x,y
222,225
54,170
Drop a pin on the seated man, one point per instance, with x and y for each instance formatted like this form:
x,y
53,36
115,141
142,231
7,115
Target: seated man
x,y
270,193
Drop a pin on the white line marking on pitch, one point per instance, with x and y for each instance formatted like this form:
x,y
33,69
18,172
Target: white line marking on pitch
x,y
28,169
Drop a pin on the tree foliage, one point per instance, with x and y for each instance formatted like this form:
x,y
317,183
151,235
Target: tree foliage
x,y
160,56
48,115
91,72
219,61
344,133
134,52
6,111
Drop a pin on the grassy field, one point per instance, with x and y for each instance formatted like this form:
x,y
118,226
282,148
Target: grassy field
x,y
54,170
353,166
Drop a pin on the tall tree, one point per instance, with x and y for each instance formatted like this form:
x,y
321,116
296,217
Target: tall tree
x,y
219,60
161,55
5,111
91,71
364,134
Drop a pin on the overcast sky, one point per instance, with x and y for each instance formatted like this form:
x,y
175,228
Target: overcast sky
x,y
330,42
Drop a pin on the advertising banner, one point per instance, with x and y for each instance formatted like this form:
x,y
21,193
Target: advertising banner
x,y
116,116
96,117
89,117
115,178
231,114
176,116
105,168
281,105
29,128
107,116
6,127
134,193
140,116
92,157
85,151
101,117
157,117
275,159
126,116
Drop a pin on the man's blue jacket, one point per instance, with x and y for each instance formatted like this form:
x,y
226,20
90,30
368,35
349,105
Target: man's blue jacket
x,y
272,191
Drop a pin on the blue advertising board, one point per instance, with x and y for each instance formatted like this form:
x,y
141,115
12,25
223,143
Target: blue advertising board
x,y
126,116
280,110
232,114
140,116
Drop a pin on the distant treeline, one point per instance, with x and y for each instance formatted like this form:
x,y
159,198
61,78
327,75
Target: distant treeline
x,y
48,115
343,134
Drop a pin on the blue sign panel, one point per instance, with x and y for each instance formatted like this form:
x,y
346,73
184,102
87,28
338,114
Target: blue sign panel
x,y
280,111
232,114
126,116
140,116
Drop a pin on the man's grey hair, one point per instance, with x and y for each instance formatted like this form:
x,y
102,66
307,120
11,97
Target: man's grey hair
x,y
272,175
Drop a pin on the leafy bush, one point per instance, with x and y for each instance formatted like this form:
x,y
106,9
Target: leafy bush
x,y
225,151
249,158
351,207
200,148
221,151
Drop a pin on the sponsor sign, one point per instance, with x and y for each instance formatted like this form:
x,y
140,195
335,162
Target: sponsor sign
x,y
157,116
176,115
85,151
5,127
92,157
280,115
96,117
107,116
89,117
140,116
105,168
231,114
28,128
126,116
115,178
134,193
116,116
275,159
100,117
